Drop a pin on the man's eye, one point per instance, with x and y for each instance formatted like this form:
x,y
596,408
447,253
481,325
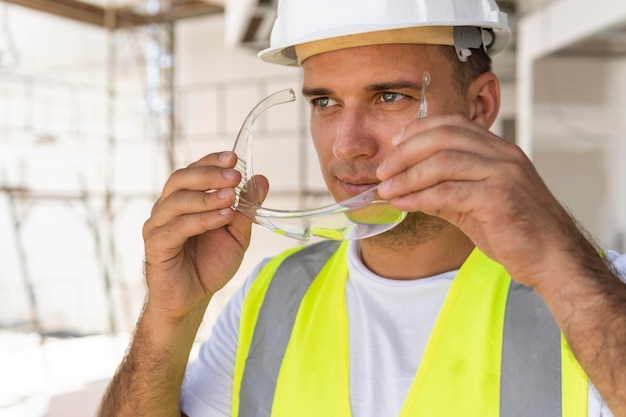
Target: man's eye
x,y
323,102
389,97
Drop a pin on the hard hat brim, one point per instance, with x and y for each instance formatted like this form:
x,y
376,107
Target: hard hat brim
x,y
296,52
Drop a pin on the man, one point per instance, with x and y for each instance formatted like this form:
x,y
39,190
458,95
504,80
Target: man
x,y
453,312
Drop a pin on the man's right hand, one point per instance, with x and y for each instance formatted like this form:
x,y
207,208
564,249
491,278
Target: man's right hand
x,y
194,244
194,241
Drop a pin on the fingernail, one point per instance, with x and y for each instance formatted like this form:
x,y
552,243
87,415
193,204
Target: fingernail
x,y
229,174
398,138
222,193
381,168
223,157
384,186
224,211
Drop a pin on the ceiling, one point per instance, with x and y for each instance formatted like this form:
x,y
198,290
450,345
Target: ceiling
x,y
605,44
123,13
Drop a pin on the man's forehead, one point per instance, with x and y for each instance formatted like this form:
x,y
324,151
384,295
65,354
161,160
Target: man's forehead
x,y
386,54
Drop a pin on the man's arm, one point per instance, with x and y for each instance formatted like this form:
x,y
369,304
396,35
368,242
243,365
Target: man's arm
x,y
194,244
588,301
149,379
450,167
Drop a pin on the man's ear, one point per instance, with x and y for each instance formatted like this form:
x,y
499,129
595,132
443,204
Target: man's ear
x,y
484,99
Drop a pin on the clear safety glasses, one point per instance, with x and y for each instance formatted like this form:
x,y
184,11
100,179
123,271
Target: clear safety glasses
x,y
359,217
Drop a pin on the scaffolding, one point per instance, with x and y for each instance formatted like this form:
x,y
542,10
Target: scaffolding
x,y
104,125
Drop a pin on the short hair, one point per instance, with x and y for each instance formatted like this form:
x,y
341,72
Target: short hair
x,y
465,73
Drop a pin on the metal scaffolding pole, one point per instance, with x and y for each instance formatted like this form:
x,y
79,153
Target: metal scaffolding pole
x,y
106,241
16,220
160,84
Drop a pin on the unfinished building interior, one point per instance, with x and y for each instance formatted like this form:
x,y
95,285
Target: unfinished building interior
x,y
100,100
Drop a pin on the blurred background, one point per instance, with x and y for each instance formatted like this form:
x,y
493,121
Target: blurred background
x,y
100,100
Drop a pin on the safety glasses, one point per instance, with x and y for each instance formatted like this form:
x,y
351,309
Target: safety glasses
x,y
361,216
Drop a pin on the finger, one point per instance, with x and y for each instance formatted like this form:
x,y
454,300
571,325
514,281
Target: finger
x,y
189,202
482,211
200,178
421,125
447,165
240,225
440,199
206,173
461,174
421,141
173,234
225,159
474,185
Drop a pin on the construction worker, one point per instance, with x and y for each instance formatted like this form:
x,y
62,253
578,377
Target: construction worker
x,y
487,300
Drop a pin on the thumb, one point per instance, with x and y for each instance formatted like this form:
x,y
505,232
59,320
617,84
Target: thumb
x,y
262,186
242,222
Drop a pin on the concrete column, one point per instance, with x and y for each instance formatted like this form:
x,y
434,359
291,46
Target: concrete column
x,y
551,28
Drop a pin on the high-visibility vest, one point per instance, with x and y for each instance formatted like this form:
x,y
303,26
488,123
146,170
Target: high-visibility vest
x,y
495,349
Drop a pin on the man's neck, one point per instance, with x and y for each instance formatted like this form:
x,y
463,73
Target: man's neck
x,y
445,252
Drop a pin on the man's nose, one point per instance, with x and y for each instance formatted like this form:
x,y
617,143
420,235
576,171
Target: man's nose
x,y
355,137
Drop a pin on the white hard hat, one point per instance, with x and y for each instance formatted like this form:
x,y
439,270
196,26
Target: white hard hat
x,y
306,27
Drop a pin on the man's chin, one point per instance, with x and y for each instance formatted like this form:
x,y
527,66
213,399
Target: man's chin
x,y
415,229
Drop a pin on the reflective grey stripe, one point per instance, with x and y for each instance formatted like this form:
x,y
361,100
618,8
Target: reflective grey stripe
x,y
274,325
531,357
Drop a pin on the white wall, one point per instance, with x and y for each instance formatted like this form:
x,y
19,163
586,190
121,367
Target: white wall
x,y
65,102
576,105
578,133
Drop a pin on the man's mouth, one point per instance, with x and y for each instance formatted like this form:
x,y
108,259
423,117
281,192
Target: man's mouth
x,y
357,186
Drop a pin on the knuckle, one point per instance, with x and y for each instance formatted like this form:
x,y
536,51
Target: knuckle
x,y
146,230
208,198
442,131
177,174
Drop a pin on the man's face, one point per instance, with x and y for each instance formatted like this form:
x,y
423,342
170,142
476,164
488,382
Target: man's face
x,y
362,97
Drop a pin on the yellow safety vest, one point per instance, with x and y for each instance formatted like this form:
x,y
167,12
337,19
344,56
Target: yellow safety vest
x,y
494,350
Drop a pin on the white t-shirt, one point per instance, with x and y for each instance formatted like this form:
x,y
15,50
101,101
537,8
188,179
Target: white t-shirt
x,y
390,322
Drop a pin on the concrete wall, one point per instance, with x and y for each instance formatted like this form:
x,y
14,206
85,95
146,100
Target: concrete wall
x,y
579,112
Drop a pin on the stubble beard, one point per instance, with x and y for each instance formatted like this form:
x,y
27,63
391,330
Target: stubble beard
x,y
417,228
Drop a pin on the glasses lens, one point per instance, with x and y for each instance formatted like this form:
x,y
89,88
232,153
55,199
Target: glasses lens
x,y
362,216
